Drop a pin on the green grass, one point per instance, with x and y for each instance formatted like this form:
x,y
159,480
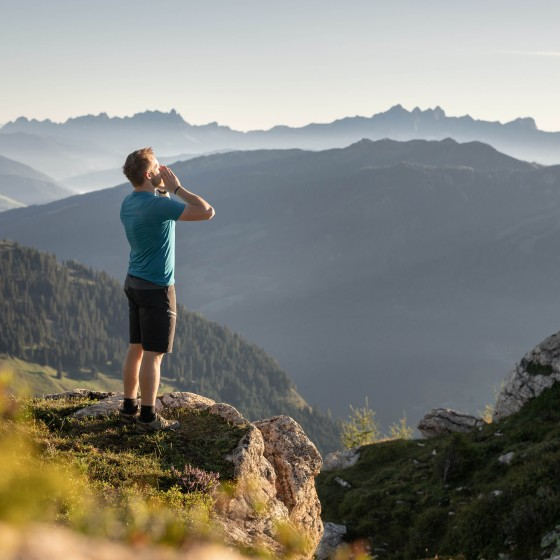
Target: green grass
x,y
114,454
102,478
450,496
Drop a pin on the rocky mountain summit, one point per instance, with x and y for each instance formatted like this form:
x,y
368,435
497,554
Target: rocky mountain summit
x,y
275,466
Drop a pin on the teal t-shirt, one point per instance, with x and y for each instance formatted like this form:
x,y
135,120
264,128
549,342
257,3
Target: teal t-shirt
x,y
149,223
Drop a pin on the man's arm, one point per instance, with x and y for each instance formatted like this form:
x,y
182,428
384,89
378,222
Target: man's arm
x,y
197,208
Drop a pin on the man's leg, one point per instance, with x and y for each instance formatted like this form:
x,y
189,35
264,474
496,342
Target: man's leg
x,y
131,370
149,377
157,318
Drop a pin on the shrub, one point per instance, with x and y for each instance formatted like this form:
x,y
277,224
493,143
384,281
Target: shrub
x,y
401,430
193,479
361,427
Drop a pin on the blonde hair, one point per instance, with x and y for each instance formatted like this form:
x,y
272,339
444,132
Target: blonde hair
x,y
136,164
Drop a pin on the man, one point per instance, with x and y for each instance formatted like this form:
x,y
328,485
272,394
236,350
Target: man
x,y
148,215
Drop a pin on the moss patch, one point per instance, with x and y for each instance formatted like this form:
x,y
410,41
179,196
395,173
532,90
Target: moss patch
x,y
533,368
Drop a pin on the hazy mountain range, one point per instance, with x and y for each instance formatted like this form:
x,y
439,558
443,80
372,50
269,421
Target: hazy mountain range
x,y
414,273
21,185
90,143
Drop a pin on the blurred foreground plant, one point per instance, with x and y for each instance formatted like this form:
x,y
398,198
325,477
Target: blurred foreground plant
x,y
32,488
39,483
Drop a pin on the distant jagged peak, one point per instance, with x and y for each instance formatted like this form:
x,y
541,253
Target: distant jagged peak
x,y
23,123
396,109
527,123
149,115
26,121
437,112
155,115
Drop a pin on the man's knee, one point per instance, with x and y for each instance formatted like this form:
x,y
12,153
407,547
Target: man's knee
x,y
155,357
135,350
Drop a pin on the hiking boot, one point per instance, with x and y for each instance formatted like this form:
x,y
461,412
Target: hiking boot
x,y
127,419
158,424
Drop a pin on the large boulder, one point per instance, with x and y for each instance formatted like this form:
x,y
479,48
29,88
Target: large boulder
x,y
538,370
296,462
442,421
275,465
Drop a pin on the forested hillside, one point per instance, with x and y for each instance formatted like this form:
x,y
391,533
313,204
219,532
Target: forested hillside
x,y
74,319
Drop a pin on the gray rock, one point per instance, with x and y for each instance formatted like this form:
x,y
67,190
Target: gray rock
x,y
186,400
342,482
81,394
110,403
506,459
229,413
341,459
331,540
107,406
538,370
552,541
441,421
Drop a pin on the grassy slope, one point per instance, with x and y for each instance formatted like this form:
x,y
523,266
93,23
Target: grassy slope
x,y
450,495
37,380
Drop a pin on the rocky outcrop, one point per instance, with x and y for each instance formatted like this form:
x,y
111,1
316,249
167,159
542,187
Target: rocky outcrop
x,y
333,537
341,459
441,421
275,465
296,462
538,370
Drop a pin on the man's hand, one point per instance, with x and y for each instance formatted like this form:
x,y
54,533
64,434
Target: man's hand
x,y
170,180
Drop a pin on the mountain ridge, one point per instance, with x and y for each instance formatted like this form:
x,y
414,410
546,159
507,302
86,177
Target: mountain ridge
x,y
396,111
109,138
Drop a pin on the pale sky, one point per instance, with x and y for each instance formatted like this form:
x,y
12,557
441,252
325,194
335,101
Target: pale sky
x,y
252,64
